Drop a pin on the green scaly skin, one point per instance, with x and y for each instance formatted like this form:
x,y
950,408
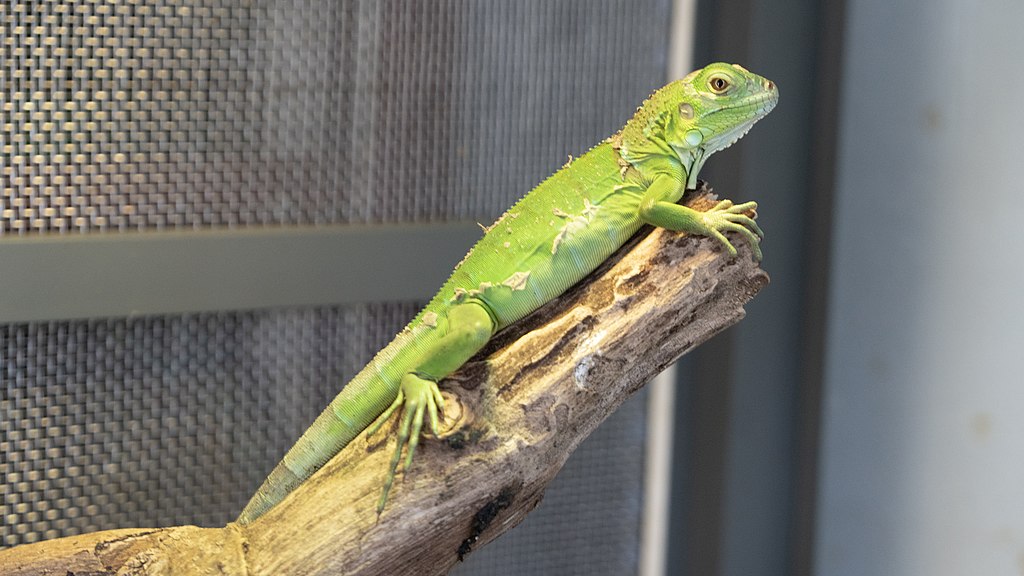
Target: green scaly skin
x,y
548,241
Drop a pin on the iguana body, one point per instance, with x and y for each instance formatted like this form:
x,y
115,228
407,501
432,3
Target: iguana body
x,y
557,234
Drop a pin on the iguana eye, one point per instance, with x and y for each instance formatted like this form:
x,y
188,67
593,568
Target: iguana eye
x,y
718,84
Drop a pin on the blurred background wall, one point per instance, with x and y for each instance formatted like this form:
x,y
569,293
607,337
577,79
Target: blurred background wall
x,y
863,418
923,440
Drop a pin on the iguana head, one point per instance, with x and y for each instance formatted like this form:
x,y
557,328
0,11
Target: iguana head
x,y
719,104
707,111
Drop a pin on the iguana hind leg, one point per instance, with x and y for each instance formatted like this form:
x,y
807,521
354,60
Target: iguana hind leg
x,y
470,326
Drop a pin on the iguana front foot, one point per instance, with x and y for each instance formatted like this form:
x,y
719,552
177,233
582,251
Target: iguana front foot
x,y
417,397
722,217
728,217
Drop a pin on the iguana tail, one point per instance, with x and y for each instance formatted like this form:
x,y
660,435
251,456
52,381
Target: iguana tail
x,y
358,404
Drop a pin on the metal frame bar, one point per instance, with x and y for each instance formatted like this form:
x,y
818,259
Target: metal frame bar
x,y
661,402
146,273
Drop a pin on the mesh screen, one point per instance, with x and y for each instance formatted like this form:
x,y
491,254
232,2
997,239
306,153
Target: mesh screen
x,y
164,421
165,114
159,114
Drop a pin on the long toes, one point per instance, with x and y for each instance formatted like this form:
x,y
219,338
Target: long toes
x,y
752,239
740,219
389,480
745,207
724,241
757,229
742,230
386,415
396,458
432,416
414,438
438,399
745,221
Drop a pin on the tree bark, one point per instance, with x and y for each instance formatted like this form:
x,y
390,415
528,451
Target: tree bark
x,y
513,415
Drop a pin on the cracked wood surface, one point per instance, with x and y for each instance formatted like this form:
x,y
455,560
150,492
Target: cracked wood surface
x,y
513,415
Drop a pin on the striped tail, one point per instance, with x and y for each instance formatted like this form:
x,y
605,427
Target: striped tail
x,y
358,404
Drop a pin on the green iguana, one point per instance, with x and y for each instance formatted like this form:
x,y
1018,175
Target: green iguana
x,y
548,241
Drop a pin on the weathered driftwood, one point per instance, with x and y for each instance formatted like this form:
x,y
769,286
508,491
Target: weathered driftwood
x,y
513,416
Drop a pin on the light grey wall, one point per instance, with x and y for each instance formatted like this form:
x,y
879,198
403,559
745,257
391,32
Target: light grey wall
x,y
923,430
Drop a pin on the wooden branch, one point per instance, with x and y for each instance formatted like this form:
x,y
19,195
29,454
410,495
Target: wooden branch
x,y
514,414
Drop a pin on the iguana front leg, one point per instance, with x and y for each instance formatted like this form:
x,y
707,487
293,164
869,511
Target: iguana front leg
x,y
470,326
723,217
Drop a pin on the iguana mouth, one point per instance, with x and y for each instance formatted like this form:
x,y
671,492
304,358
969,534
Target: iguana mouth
x,y
753,107
759,104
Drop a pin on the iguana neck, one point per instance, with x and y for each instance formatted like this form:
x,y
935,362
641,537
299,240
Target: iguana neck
x,y
680,125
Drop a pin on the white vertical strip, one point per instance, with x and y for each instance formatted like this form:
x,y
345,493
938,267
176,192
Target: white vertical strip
x,y
922,440
657,474
661,401
680,54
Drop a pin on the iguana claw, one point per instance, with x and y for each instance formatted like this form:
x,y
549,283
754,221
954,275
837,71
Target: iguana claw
x,y
416,396
728,217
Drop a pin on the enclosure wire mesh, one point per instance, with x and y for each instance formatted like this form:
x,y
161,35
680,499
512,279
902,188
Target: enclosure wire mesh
x,y
181,114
